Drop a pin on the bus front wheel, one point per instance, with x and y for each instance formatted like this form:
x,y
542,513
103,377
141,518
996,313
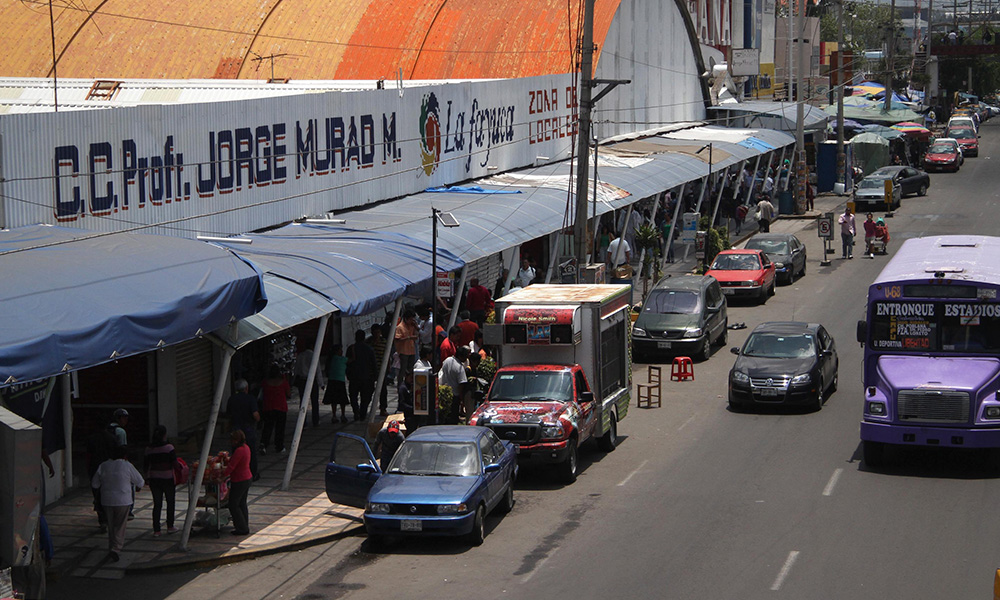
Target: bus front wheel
x,y
874,453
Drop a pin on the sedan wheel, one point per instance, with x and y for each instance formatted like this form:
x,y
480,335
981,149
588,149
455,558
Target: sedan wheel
x,y
706,350
923,190
507,503
820,393
478,533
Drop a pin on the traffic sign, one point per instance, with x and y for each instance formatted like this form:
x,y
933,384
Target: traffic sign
x,y
824,225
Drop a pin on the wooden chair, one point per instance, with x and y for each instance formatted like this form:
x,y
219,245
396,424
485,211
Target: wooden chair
x,y
648,395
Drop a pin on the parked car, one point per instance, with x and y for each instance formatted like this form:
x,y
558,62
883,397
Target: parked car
x,y
789,363
443,480
944,155
906,180
967,138
786,251
684,314
747,273
971,121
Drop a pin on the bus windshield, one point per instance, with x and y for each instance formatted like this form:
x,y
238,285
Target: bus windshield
x,y
941,326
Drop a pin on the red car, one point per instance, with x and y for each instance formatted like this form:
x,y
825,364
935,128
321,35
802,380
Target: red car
x,y
944,155
967,138
744,273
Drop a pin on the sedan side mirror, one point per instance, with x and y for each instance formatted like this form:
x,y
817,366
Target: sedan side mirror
x,y
734,350
366,468
491,468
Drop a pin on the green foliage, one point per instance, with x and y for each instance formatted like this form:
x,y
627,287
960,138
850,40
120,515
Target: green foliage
x,y
487,369
716,240
648,238
445,397
864,25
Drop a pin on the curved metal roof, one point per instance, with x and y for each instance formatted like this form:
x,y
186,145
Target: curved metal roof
x,y
296,39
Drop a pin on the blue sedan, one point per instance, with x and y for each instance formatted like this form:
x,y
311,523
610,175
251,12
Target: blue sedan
x,y
443,480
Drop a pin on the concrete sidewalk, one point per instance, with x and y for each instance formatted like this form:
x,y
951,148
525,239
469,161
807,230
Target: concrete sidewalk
x,y
280,521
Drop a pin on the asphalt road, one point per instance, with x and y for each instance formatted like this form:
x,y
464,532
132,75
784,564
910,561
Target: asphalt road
x,y
700,502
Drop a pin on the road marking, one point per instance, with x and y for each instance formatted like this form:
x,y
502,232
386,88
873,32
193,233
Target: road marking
x,y
828,490
794,554
684,424
538,565
639,468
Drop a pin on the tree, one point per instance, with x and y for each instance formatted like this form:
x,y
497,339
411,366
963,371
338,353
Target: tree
x,y
865,25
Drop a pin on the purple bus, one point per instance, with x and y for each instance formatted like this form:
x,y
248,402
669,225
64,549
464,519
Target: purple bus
x,y
932,347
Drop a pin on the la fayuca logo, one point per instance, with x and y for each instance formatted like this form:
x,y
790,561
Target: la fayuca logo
x,y
430,134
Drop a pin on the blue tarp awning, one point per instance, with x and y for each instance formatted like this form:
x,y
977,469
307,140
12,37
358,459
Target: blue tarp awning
x,y
74,299
358,271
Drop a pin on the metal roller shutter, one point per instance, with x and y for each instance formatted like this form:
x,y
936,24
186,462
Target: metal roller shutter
x,y
195,378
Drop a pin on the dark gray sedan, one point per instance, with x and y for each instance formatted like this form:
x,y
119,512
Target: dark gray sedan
x,y
786,251
787,363
870,193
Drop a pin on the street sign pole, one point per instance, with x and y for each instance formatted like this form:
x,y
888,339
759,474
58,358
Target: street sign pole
x,y
824,225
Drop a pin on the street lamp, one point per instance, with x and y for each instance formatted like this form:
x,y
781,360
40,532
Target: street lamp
x,y
447,220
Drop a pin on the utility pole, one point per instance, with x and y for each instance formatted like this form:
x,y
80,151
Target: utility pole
x,y
583,136
890,43
586,103
841,157
801,169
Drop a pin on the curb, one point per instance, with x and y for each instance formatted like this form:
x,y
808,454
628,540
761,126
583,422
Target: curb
x,y
241,554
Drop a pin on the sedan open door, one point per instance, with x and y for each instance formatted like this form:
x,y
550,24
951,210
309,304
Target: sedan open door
x,y
351,472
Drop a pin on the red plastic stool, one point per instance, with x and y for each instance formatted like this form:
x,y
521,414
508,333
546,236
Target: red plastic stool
x,y
682,369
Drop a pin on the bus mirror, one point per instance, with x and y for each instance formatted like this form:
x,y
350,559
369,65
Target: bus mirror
x,y
862,332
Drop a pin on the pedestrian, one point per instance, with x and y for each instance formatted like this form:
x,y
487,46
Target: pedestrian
x,y
100,447
847,231
240,478
336,386
768,185
478,345
424,362
453,375
620,257
405,340
159,463
468,327
869,226
526,274
739,216
404,399
361,373
603,241
810,191
378,343
501,284
477,302
764,215
882,233
244,415
302,363
929,119
451,345
117,480
117,428
387,441
275,392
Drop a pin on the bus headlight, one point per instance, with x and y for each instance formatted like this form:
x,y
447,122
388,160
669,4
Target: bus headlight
x,y
992,412
876,408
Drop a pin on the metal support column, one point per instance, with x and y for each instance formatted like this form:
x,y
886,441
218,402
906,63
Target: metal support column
x,y
304,407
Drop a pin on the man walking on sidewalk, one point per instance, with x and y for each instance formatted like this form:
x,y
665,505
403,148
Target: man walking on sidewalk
x,y
764,215
117,478
847,231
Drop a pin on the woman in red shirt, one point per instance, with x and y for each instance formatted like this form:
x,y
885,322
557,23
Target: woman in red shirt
x,y
275,391
240,477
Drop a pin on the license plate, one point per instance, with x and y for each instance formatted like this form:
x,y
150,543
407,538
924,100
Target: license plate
x,y
768,392
663,345
728,291
411,525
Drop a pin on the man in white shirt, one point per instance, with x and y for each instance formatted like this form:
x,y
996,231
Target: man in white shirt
x,y
526,274
619,252
116,477
453,375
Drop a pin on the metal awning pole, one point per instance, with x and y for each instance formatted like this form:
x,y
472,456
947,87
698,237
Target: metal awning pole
x,y
456,301
384,367
553,257
753,180
304,407
718,199
67,411
515,265
213,418
697,210
673,222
